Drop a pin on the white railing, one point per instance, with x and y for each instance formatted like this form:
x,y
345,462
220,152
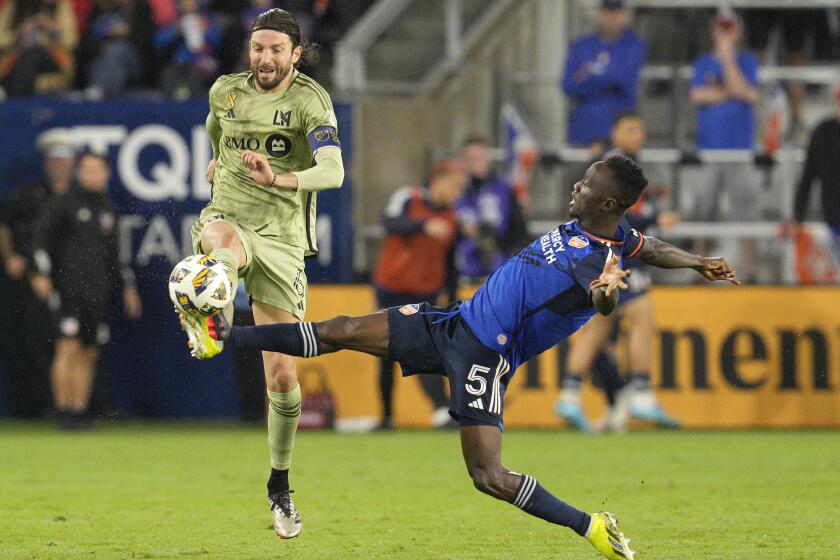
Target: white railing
x,y
350,70
819,75
771,231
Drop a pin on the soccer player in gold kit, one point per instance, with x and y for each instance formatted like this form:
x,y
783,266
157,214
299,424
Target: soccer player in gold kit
x,y
275,145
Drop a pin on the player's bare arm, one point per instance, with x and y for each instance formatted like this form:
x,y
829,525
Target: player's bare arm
x,y
660,254
605,292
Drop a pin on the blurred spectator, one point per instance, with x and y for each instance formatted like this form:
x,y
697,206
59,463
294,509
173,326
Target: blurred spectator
x,y
27,323
602,74
724,89
415,265
821,163
82,10
491,219
164,12
191,44
37,38
795,29
120,31
75,252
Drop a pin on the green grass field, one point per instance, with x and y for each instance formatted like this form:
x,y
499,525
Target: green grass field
x,y
156,491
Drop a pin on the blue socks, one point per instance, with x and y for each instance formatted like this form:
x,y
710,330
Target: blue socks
x,y
292,339
532,498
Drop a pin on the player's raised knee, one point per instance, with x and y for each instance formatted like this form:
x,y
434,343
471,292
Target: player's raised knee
x,y
217,235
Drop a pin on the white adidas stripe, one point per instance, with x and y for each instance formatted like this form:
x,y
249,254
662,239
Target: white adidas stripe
x,y
525,491
496,397
477,404
530,491
313,346
309,345
305,340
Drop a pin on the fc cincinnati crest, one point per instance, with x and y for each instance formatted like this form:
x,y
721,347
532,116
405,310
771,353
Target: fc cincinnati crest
x,y
579,242
410,309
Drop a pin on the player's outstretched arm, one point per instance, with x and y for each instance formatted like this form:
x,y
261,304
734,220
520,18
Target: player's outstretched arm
x,y
660,254
605,289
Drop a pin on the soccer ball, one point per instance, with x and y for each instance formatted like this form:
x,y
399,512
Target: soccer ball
x,y
200,285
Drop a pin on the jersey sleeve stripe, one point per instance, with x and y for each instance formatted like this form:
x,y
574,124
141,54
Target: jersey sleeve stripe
x,y
638,248
317,87
324,106
318,90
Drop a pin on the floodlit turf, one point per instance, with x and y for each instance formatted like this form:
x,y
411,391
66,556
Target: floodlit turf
x,y
185,491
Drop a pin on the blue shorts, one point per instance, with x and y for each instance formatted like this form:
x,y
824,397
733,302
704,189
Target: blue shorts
x,y
428,339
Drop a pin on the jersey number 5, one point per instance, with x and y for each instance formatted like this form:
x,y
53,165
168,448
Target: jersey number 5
x,y
475,376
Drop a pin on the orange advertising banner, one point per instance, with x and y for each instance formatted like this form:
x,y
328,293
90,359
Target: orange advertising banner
x,y
723,358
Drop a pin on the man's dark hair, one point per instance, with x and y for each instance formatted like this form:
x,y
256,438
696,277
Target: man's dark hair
x,y
475,139
628,181
284,22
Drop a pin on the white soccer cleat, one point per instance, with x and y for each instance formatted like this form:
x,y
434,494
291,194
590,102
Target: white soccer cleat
x,y
287,521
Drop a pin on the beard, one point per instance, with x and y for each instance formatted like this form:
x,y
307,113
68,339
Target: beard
x,y
280,74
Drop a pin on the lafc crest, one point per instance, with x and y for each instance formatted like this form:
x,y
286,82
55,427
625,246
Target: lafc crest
x,y
231,101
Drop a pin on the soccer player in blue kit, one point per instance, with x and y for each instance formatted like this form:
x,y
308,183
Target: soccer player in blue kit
x,y
541,295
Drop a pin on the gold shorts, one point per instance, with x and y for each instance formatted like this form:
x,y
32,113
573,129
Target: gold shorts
x,y
273,271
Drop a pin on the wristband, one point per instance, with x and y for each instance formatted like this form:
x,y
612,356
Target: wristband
x,y
273,179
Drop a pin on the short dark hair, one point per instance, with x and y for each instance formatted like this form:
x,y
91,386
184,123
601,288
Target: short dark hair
x,y
628,180
285,22
475,139
626,115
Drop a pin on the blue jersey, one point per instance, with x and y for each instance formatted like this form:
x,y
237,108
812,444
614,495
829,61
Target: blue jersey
x,y
730,124
540,296
601,79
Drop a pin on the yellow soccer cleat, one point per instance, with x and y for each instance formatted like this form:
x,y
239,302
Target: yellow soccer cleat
x,y
607,539
202,345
